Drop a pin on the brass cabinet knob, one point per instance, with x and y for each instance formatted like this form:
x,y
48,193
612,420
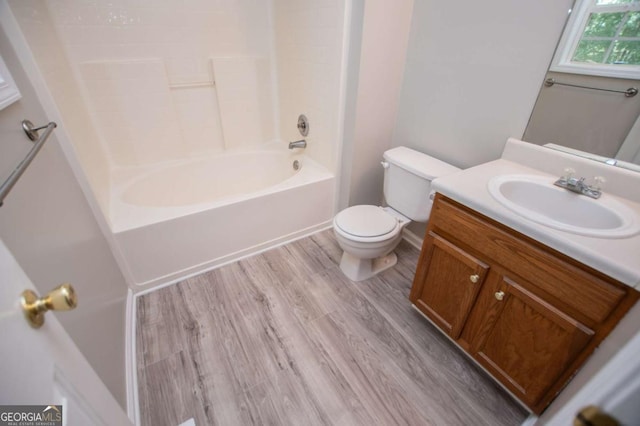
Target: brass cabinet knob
x,y
61,298
594,416
474,278
499,295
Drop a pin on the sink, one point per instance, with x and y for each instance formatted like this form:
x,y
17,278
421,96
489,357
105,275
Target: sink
x,y
536,198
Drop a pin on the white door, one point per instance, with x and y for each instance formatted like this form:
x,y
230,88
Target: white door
x,y
43,366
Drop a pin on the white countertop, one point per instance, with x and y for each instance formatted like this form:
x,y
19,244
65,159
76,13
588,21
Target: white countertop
x,y
619,258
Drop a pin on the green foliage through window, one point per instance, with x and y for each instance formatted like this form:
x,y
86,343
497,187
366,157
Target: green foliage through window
x,y
611,34
603,24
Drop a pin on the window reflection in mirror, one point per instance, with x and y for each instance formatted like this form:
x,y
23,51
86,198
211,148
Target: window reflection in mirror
x,y
602,38
599,49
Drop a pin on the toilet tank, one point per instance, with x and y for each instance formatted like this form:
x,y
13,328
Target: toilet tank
x,y
407,181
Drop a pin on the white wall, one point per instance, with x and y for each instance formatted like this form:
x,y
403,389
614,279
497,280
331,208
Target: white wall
x,y
308,44
473,74
469,81
51,231
385,37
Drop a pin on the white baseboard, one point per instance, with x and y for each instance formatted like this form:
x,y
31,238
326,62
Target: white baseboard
x,y
530,421
150,286
168,280
133,409
412,238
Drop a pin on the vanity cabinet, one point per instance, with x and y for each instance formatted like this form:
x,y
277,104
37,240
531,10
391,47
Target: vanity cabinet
x,y
529,315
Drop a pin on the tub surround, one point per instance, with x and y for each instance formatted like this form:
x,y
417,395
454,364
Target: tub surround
x,y
210,78
617,258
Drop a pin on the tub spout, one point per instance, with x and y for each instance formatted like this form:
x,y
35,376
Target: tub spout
x,y
298,144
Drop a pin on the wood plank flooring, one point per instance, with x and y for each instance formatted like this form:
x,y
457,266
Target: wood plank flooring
x,y
284,338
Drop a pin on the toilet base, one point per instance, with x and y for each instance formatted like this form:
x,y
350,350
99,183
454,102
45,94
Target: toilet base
x,y
357,269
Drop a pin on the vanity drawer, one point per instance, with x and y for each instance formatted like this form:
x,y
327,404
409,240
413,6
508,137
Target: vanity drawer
x,y
586,294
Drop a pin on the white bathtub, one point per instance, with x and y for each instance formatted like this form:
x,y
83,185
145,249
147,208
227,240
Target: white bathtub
x,y
177,219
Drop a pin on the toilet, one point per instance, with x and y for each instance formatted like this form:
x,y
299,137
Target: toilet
x,y
368,234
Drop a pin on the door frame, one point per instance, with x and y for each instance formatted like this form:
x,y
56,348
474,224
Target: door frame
x,y
10,26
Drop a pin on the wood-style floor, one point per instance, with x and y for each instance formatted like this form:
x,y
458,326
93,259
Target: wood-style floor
x,y
283,338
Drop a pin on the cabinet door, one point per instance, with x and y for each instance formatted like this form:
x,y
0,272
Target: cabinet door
x,y
447,284
526,342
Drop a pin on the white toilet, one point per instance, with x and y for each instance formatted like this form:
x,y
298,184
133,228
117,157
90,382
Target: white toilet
x,y
368,234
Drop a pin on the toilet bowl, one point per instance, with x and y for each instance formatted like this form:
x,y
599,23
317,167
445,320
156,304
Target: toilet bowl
x,y
368,234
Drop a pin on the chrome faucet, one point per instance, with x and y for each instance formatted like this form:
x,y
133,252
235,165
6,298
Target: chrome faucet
x,y
298,144
578,186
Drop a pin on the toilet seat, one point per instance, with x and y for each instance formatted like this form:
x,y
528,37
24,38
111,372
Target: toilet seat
x,y
366,223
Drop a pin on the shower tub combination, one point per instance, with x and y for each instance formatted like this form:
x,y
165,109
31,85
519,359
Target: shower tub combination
x,y
189,213
184,217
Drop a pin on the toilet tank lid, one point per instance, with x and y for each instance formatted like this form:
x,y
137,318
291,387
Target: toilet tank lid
x,y
418,163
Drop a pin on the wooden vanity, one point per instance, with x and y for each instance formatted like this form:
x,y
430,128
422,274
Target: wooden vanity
x,y
528,314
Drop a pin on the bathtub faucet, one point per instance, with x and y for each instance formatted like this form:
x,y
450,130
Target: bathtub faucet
x,y
298,144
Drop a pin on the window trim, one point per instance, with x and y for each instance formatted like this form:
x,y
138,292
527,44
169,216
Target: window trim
x,y
571,37
9,92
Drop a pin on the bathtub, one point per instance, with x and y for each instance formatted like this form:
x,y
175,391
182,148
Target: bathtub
x,y
177,219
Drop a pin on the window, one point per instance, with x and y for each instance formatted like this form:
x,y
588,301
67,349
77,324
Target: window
x,y
602,38
8,90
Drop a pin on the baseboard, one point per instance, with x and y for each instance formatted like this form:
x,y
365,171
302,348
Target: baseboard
x,y
530,421
149,286
412,238
168,280
133,409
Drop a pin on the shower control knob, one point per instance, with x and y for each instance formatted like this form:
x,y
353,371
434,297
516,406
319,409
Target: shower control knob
x,y
303,125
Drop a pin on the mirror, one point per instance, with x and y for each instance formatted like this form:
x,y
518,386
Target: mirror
x,y
588,107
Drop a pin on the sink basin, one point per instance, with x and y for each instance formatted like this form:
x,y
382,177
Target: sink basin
x,y
537,199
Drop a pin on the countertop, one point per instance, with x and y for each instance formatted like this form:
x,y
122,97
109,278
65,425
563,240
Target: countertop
x,y
619,258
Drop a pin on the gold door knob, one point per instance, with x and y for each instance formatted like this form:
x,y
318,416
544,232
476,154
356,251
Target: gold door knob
x,y
499,295
474,278
61,298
